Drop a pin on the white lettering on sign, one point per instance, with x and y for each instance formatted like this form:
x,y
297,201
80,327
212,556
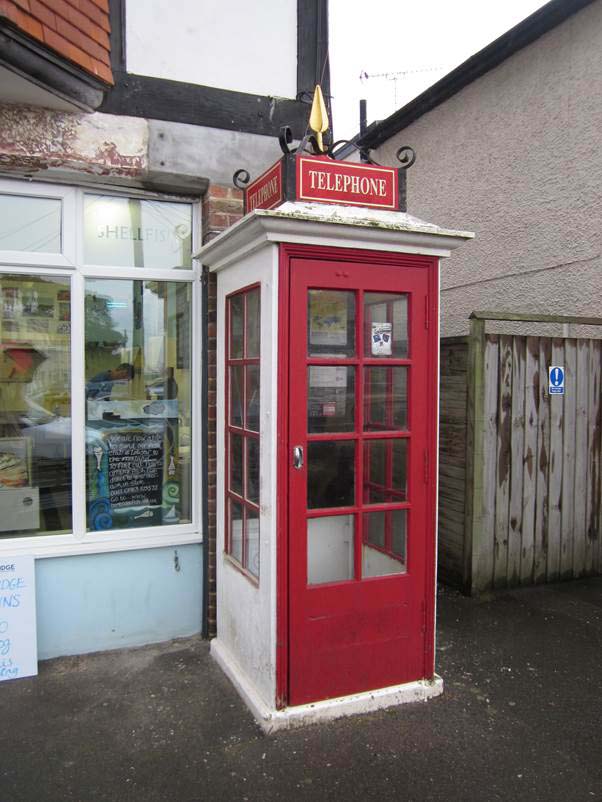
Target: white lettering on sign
x,y
18,642
327,181
263,193
359,185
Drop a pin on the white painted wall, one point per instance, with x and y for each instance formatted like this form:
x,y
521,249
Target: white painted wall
x,y
515,156
246,614
229,44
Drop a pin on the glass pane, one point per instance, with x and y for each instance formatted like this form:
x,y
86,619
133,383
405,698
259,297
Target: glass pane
x,y
138,403
252,541
236,395
331,323
330,399
385,471
386,324
129,232
236,530
253,324
237,306
331,474
252,493
385,398
253,410
384,546
35,406
330,549
30,224
236,463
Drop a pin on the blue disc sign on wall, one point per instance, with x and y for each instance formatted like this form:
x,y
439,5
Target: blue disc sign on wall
x,y
556,380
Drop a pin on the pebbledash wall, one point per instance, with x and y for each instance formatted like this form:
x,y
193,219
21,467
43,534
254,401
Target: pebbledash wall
x,y
508,144
143,130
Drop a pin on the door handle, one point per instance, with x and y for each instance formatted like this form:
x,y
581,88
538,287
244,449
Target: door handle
x,y
298,457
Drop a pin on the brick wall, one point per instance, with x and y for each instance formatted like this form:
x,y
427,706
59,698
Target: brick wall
x,y
222,206
78,30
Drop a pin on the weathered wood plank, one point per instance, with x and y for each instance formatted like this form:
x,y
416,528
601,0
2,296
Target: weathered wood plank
x,y
594,424
454,359
555,471
597,557
485,469
581,458
452,452
530,458
475,389
540,541
568,461
517,437
531,318
502,479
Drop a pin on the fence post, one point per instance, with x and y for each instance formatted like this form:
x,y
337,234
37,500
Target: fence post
x,y
474,450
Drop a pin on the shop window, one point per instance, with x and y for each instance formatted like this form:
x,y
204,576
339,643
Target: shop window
x,y
35,405
138,403
242,428
130,232
96,370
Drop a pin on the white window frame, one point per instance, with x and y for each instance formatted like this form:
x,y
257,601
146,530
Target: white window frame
x,y
67,196
70,264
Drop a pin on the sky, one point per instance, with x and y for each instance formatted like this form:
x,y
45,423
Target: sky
x,y
424,40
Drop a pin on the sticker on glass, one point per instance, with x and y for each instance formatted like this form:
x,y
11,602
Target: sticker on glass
x,y
381,339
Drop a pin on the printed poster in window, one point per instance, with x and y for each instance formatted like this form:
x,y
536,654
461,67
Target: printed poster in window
x,y
327,318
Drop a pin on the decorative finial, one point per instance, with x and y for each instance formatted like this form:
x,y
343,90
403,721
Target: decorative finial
x,y
318,118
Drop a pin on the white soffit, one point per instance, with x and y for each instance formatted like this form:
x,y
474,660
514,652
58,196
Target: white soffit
x,y
16,89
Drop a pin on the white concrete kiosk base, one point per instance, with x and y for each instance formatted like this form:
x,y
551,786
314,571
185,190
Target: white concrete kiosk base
x,y
271,720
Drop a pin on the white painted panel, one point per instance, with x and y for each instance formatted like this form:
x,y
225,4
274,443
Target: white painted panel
x,y
246,613
233,44
329,549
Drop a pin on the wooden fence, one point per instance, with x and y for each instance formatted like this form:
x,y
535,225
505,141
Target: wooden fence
x,y
520,476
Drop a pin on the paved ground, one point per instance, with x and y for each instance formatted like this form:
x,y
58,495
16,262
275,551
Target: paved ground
x,y
520,719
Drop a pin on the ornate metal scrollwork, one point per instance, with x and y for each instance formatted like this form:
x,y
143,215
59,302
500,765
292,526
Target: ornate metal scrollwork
x,y
241,178
406,156
316,142
285,137
350,143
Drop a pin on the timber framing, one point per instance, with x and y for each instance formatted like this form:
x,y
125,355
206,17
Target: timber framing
x,y
178,101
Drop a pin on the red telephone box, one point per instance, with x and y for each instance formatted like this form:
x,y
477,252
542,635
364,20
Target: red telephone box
x,y
327,458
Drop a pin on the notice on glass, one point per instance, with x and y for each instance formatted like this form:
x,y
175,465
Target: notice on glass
x,y
328,318
381,339
18,641
135,468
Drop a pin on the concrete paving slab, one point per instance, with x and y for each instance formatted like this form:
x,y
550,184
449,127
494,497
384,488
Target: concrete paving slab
x,y
520,719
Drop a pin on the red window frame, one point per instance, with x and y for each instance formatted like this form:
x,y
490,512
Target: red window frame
x,y
248,435
387,488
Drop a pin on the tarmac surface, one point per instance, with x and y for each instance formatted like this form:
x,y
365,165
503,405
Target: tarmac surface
x,y
520,718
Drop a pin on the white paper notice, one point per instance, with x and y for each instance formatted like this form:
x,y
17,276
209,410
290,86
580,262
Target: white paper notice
x,y
18,642
381,339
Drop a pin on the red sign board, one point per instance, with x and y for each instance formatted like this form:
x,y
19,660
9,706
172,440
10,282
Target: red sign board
x,y
327,181
266,191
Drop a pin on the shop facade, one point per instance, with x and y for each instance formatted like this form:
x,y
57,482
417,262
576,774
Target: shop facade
x,y
115,167
100,441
